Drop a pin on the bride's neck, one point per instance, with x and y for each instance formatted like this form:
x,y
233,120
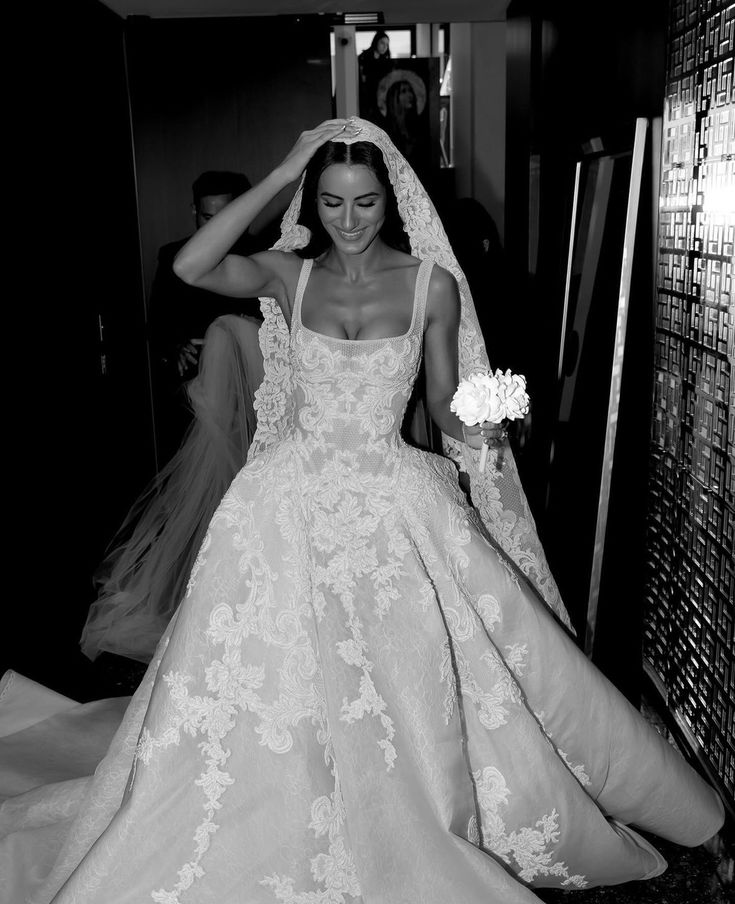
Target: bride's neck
x,y
355,267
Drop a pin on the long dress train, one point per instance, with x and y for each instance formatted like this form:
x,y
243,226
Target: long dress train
x,y
361,698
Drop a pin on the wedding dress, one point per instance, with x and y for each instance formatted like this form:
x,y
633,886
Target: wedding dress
x,y
366,696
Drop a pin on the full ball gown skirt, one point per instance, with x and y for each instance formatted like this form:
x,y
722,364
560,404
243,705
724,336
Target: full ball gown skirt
x,y
361,699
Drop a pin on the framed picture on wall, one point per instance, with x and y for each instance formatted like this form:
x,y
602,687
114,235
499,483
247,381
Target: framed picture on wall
x,y
402,97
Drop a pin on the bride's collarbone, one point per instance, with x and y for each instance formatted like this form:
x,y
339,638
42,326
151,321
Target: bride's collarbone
x,y
359,318
354,325
376,309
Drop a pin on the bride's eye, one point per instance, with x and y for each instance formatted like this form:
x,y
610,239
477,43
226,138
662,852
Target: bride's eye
x,y
330,204
368,204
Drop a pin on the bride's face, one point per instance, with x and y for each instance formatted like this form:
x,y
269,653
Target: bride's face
x,y
351,203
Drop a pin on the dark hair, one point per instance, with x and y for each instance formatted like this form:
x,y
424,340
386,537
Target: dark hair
x,y
378,36
361,153
391,96
219,182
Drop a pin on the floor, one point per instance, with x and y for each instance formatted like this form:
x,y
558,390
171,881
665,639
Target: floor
x,y
694,875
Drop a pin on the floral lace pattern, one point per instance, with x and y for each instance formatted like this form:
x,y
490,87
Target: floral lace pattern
x,y
525,849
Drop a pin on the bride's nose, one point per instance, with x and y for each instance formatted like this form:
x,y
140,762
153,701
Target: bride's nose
x,y
348,218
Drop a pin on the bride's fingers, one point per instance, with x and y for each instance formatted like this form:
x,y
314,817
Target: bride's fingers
x,y
340,121
332,131
494,434
315,137
330,125
310,141
322,136
337,121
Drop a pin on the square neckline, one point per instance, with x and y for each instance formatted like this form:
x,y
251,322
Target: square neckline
x,y
296,318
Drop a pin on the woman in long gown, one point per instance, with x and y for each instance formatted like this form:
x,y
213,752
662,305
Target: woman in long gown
x,y
362,697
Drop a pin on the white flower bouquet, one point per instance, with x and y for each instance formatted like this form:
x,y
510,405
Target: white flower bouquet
x,y
487,396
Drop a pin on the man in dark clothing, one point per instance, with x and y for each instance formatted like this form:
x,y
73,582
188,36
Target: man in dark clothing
x,y
179,314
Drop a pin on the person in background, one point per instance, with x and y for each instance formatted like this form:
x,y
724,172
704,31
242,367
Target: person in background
x,y
371,68
180,314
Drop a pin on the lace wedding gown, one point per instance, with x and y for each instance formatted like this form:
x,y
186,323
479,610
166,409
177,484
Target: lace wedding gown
x,y
361,699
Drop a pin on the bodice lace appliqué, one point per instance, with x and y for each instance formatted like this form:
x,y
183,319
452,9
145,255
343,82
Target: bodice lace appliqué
x,y
350,395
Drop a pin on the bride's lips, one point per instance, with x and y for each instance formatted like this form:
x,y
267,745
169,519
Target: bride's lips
x,y
351,236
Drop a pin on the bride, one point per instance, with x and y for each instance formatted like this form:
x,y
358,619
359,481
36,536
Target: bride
x,y
366,694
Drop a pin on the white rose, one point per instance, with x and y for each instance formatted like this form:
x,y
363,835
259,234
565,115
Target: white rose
x,y
471,401
495,411
515,399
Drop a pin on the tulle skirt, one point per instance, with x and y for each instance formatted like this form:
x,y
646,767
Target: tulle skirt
x,y
143,577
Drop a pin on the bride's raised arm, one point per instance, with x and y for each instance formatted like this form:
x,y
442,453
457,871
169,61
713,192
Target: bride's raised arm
x,y
204,261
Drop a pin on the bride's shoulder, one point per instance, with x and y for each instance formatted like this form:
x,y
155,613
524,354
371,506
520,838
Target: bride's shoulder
x,y
442,282
400,260
442,285
442,296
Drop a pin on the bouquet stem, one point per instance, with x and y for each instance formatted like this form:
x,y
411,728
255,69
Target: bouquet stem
x,y
483,458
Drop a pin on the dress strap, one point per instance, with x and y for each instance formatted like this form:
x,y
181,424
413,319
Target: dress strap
x,y
304,274
420,294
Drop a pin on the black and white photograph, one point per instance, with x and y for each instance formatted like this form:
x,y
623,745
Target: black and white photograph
x,y
371,473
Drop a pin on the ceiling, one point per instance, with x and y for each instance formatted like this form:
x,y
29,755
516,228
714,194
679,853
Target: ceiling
x,y
395,11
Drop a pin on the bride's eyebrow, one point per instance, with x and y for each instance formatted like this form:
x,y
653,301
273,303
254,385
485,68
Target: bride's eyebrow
x,y
370,194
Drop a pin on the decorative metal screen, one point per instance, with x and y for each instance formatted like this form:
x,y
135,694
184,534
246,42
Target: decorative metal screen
x,y
690,592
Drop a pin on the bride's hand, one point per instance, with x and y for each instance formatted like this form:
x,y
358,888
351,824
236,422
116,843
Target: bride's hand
x,y
307,144
484,434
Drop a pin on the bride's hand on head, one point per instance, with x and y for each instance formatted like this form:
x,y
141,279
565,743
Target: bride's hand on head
x,y
308,143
